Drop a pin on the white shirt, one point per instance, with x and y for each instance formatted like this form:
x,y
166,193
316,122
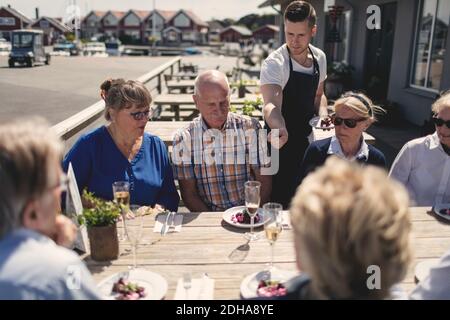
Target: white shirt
x,y
424,168
33,267
336,149
437,285
275,69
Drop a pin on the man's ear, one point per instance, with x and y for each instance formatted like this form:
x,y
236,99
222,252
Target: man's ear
x,y
30,216
314,31
194,97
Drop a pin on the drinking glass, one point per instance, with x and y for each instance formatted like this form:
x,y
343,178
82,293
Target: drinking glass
x,y
272,225
121,192
133,228
252,199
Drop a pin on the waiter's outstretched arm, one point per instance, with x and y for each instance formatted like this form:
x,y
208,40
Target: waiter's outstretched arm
x,y
321,102
273,99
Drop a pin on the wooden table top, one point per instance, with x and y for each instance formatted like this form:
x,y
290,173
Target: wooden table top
x,y
208,244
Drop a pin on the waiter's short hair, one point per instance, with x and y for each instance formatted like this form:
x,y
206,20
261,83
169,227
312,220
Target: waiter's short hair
x,y
299,11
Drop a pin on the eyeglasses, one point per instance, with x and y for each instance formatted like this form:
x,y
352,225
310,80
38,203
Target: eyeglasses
x,y
140,115
439,122
350,123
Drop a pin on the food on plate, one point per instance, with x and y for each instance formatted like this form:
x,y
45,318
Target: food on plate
x,y
127,290
445,211
270,288
244,217
325,123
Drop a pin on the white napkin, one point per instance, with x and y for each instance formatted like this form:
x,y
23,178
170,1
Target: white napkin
x,y
174,224
201,289
286,219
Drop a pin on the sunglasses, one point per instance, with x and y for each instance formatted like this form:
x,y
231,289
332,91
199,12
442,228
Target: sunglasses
x,y
140,115
349,123
439,122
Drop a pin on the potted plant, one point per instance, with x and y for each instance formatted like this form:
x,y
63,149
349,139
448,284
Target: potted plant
x,y
241,88
339,77
100,218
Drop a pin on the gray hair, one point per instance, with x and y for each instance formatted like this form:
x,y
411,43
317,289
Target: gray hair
x,y
210,76
28,149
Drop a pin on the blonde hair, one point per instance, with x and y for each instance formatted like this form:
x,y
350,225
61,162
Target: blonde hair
x,y
28,152
360,103
347,218
441,103
120,94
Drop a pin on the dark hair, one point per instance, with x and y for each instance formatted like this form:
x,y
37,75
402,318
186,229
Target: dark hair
x,y
120,94
299,11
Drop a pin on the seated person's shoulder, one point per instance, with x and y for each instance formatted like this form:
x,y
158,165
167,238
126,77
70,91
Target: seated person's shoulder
x,y
320,145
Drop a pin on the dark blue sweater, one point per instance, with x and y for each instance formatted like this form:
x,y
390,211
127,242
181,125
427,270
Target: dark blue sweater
x,y
317,153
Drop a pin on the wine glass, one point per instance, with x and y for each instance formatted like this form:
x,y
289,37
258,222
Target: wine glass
x,y
121,192
272,225
133,228
252,199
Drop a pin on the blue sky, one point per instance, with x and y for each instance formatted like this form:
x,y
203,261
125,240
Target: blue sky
x,y
205,9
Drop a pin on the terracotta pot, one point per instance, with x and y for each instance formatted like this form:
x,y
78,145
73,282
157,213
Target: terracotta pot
x,y
104,243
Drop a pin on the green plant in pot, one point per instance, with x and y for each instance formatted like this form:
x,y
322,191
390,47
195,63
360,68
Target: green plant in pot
x,y
100,218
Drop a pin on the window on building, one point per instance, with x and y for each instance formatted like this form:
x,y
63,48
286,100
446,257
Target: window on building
x,y
430,44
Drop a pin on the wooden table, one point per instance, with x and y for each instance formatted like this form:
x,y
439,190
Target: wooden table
x,y
182,85
180,102
166,129
207,244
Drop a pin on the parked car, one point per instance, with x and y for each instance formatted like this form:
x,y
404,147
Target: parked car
x,y
114,47
5,47
28,48
95,49
65,48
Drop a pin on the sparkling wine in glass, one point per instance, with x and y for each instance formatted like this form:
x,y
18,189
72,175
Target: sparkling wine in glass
x,y
133,229
272,225
252,199
121,192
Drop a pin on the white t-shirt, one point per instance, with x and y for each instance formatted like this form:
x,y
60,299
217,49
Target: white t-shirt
x,y
275,69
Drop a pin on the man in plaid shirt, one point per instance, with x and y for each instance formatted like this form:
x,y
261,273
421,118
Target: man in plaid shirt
x,y
219,151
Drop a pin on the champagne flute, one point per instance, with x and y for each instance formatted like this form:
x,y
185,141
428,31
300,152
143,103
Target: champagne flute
x,y
133,228
272,225
252,199
121,192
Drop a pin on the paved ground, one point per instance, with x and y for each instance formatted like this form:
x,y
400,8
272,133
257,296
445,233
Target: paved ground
x,y
67,86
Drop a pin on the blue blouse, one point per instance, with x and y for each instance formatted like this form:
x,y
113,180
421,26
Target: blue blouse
x,y
97,163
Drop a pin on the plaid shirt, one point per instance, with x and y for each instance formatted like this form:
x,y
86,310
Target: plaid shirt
x,y
220,175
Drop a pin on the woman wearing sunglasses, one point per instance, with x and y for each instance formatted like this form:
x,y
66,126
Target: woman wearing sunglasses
x,y
423,165
354,113
123,151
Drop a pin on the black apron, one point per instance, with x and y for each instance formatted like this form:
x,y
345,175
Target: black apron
x,y
297,109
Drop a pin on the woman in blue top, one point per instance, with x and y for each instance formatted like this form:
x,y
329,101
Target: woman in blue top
x,y
123,151
354,113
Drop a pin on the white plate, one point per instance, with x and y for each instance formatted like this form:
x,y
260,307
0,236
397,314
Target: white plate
x,y
249,285
155,285
439,207
228,213
315,123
